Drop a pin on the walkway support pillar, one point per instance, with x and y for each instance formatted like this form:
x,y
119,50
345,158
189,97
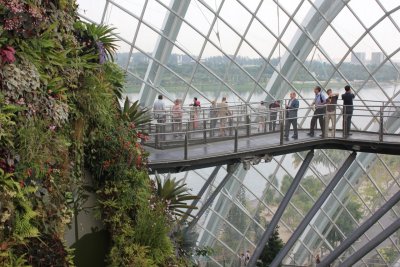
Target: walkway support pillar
x,y
313,211
202,191
248,125
381,124
282,207
355,235
282,126
235,147
186,148
203,209
379,238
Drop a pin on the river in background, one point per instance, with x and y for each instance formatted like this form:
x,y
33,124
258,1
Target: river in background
x,y
367,93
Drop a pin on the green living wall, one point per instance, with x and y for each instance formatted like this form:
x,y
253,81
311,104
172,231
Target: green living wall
x,y
60,118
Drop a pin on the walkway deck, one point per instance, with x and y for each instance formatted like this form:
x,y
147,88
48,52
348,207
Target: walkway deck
x,y
222,152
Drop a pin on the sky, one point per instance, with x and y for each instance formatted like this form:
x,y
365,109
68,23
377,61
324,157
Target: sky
x,y
346,24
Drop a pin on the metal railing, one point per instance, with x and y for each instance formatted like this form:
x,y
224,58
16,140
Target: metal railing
x,y
202,125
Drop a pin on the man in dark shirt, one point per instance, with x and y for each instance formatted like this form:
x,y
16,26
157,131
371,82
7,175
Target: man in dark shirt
x,y
273,107
331,102
291,116
347,98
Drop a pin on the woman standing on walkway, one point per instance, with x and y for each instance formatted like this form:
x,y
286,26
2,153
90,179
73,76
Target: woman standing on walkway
x,y
177,114
196,111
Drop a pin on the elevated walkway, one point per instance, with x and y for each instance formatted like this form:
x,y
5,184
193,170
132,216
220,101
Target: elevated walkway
x,y
252,149
251,134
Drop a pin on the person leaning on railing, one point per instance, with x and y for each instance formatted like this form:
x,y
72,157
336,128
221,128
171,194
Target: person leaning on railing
x,y
291,116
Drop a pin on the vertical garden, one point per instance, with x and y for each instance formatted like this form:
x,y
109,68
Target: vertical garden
x,y
60,119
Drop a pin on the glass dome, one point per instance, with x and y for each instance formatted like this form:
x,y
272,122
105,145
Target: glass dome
x,y
262,50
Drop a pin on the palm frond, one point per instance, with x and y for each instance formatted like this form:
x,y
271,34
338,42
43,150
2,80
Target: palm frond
x,y
175,193
134,113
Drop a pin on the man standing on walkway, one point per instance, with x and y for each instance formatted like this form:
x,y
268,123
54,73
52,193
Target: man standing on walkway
x,y
331,102
319,112
223,113
273,107
291,116
160,115
159,110
348,108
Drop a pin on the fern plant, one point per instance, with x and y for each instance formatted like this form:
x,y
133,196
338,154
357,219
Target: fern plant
x,y
23,227
7,115
24,214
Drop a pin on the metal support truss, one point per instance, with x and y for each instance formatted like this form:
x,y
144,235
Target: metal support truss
x,y
360,230
302,45
313,211
171,27
278,214
379,238
217,190
344,187
202,191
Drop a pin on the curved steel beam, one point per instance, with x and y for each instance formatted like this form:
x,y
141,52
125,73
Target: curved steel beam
x,y
162,52
302,45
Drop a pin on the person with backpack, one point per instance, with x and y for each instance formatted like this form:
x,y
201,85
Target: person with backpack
x,y
319,112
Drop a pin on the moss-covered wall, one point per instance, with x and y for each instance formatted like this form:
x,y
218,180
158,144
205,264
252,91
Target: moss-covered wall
x,y
59,115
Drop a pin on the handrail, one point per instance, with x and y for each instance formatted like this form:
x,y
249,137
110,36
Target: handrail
x,y
243,122
207,106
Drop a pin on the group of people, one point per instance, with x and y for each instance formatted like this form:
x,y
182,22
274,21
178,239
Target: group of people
x,y
324,113
244,259
273,115
325,107
218,111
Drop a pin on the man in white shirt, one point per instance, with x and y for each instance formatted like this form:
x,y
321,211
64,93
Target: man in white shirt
x,y
160,115
159,110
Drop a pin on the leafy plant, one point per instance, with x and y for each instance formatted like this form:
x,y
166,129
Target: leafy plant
x,y
17,212
48,250
134,113
174,194
99,38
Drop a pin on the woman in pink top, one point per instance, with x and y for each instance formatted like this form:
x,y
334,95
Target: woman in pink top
x,y
196,111
177,114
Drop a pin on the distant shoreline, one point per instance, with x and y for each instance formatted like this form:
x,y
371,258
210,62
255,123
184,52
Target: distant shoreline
x,y
249,87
